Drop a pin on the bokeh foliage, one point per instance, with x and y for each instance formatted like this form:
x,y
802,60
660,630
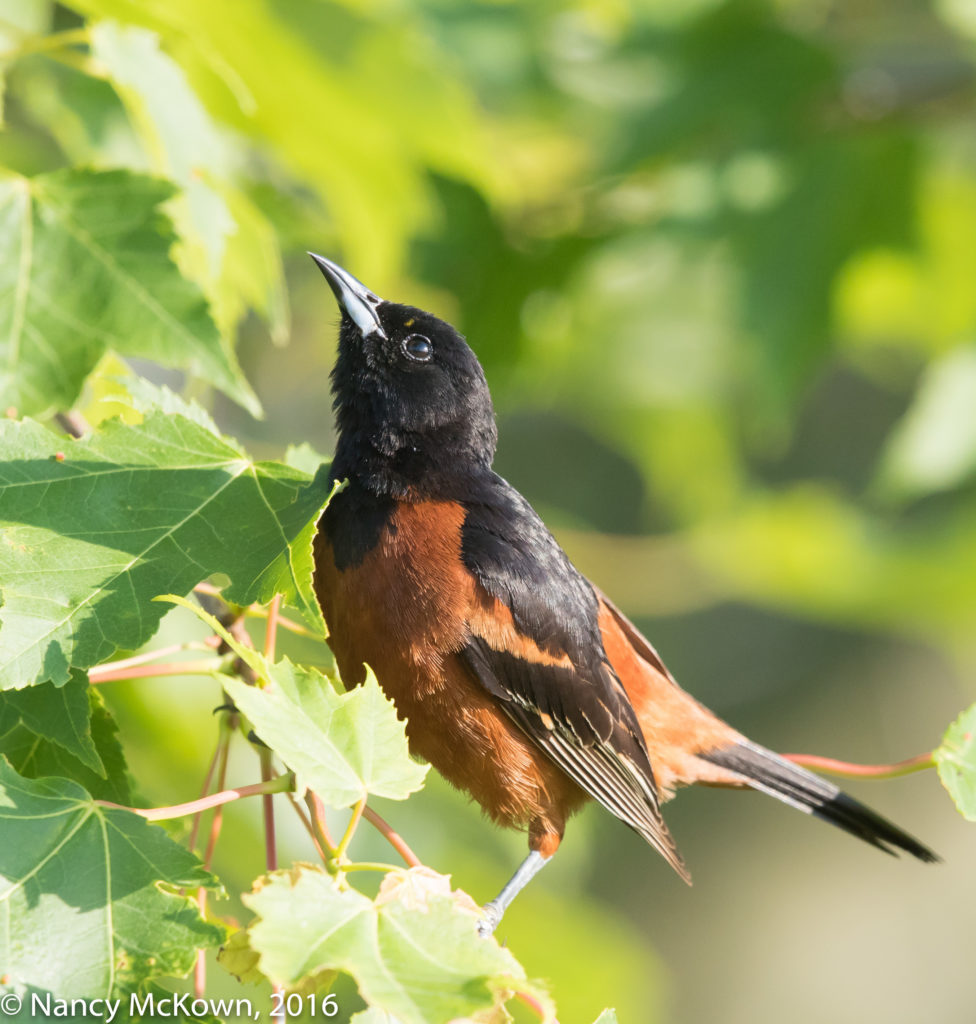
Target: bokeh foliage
x,y
717,259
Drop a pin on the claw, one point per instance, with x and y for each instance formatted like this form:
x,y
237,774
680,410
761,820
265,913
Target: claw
x,y
491,915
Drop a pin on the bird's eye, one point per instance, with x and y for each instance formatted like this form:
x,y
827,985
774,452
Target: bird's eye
x,y
418,348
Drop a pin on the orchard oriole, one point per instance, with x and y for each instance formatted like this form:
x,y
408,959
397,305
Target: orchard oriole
x,y
520,682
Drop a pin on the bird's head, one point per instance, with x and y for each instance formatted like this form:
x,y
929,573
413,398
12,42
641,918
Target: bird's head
x,y
412,405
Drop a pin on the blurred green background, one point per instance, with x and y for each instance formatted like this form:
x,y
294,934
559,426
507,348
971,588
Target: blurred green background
x,y
719,263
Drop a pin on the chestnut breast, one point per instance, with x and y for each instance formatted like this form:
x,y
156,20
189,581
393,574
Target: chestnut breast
x,y
404,605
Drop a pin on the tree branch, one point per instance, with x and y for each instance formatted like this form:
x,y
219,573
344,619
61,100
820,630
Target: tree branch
x,y
393,838
849,770
281,784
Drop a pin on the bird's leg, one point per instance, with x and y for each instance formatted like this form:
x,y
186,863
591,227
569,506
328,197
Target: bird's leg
x,y
493,911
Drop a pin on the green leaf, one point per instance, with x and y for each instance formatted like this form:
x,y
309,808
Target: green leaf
x,y
19,21
228,246
34,755
423,964
345,746
147,398
237,958
956,760
395,107
372,1016
59,714
86,268
933,447
94,529
607,1017
304,457
77,876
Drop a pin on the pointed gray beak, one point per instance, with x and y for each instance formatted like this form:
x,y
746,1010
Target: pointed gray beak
x,y
353,296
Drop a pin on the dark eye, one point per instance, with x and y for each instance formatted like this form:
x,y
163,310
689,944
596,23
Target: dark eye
x,y
418,348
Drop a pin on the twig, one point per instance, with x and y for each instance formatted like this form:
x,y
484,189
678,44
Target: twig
x,y
357,813
848,770
271,629
256,611
317,809
204,791
290,624
73,423
234,623
279,785
220,758
110,674
200,964
270,846
307,825
368,865
267,802
393,838
162,652
533,1004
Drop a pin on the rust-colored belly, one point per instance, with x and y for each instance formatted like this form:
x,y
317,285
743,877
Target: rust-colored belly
x,y
404,610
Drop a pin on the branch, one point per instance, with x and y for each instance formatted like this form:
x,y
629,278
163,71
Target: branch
x,y
533,1004
271,630
256,611
393,838
73,422
307,825
848,770
220,759
267,801
282,784
317,811
141,659
357,813
110,673
204,791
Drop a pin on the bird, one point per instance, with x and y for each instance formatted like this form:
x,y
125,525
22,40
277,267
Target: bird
x,y
519,680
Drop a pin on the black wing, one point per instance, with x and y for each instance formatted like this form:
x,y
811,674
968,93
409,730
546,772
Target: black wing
x,y
576,711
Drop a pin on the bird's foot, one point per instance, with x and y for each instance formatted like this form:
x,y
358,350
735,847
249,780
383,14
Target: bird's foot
x,y
491,914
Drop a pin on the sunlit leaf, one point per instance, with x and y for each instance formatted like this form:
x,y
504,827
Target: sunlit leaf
x,y
237,958
345,746
77,876
86,268
808,550
424,966
956,760
934,445
228,247
141,396
919,298
20,20
304,457
95,529
372,1016
390,109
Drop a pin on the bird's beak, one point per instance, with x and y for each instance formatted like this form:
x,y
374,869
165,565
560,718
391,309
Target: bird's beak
x,y
353,296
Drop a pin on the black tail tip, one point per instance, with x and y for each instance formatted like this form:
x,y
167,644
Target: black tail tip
x,y
852,816
794,785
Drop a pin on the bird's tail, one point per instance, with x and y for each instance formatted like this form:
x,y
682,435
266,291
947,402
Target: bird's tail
x,y
769,773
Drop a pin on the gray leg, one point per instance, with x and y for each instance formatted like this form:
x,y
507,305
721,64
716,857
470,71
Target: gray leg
x,y
493,911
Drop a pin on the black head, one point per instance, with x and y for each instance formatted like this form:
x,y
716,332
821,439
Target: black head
x,y
412,405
